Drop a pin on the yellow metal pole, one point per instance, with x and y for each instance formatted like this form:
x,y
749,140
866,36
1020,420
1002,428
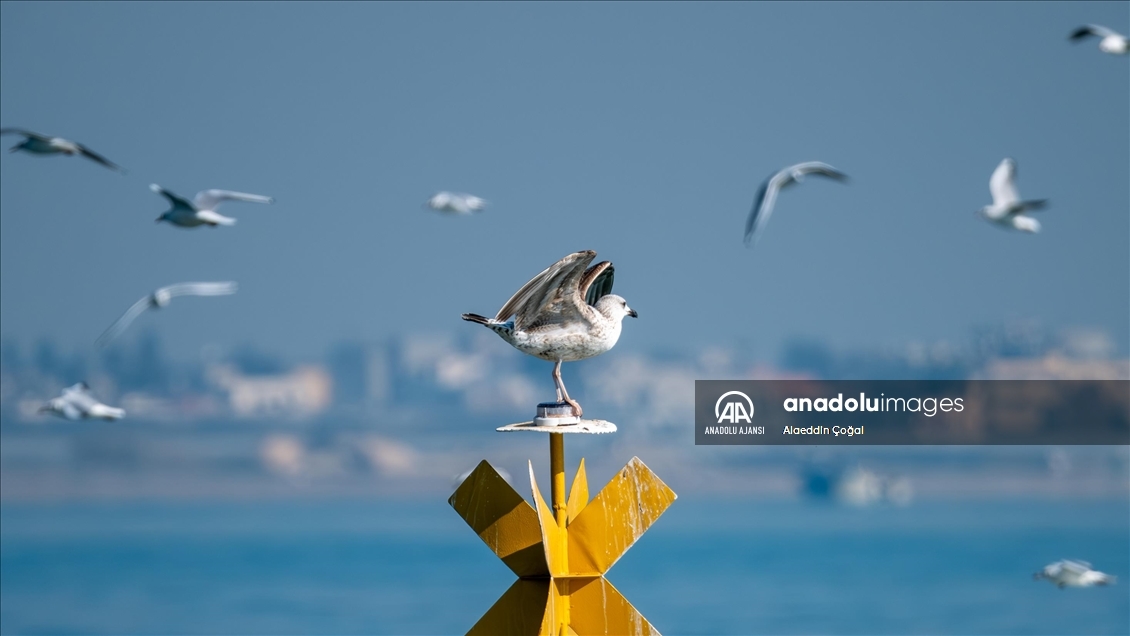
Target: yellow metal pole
x,y
561,511
557,469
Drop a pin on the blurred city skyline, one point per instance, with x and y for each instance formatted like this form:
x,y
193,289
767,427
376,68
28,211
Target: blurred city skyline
x,y
641,131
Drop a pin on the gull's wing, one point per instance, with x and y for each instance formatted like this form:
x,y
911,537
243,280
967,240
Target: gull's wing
x,y
209,199
541,289
1002,185
90,154
24,132
597,282
1076,567
177,201
1090,29
200,289
81,387
763,205
818,168
120,325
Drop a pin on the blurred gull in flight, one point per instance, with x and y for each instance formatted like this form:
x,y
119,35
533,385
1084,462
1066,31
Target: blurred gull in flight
x,y
77,403
1109,41
1007,209
1068,573
161,298
38,144
563,314
767,195
202,209
455,203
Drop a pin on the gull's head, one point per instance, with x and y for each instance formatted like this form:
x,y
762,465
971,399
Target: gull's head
x,y
615,307
160,298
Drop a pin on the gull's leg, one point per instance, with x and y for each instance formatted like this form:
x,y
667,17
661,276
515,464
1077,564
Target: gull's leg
x,y
562,393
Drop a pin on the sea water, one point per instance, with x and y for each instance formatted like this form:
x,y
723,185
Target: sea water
x,y
708,566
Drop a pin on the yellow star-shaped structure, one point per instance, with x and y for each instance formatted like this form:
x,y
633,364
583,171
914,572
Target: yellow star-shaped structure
x,y
561,555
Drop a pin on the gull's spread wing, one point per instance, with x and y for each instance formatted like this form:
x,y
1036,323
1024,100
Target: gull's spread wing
x,y
209,199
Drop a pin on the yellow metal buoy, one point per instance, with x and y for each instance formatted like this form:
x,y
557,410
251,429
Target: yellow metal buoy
x,y
562,551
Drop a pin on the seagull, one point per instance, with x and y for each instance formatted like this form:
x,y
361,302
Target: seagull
x,y
1074,574
456,203
38,144
563,314
78,403
1109,41
202,209
1007,209
767,195
161,298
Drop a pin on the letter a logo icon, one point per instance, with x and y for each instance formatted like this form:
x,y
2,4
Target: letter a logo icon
x,y
734,411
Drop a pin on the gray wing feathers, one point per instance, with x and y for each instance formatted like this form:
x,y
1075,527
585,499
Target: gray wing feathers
x,y
209,199
122,323
177,201
544,289
202,289
24,132
94,156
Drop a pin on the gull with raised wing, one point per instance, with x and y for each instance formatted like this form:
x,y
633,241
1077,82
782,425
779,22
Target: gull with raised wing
x,y
1007,210
38,144
161,298
201,210
767,195
455,203
1110,41
78,403
1070,573
563,314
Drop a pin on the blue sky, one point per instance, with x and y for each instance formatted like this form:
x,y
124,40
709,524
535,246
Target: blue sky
x,y
639,130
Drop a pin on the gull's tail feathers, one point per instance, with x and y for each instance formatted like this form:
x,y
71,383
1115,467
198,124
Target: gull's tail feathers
x,y
482,320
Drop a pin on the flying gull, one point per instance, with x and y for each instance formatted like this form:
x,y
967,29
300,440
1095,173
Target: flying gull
x,y
455,203
78,403
38,144
1007,209
161,298
1069,573
563,314
1109,41
767,195
202,209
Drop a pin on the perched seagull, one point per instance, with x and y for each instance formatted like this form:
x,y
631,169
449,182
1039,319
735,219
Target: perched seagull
x,y
38,144
563,314
159,299
202,209
456,203
77,403
1007,209
1110,41
767,195
1074,574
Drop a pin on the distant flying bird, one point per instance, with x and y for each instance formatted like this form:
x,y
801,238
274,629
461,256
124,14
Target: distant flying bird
x,y
1007,210
563,314
456,203
1069,573
78,403
38,144
767,195
202,209
161,298
1109,41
